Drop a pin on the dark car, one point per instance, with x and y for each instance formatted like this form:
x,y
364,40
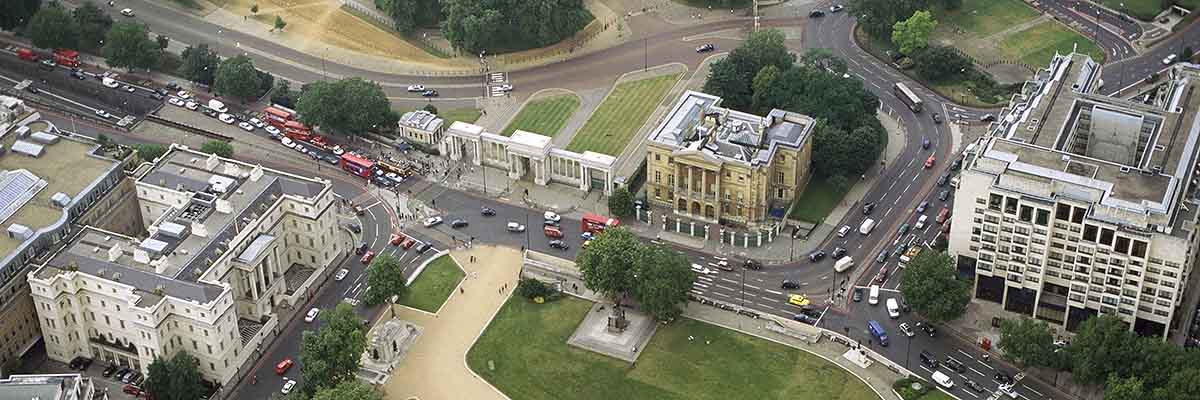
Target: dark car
x,y
955,365
816,14
945,194
838,252
987,118
356,228
707,47
975,387
937,117
928,329
550,222
867,208
1003,378
558,244
928,360
458,223
487,212
816,255
857,294
921,207
750,264
883,256
789,285
429,93
74,364
361,249
332,159
924,143
805,318
381,181
111,369
942,179
209,112
956,165
423,248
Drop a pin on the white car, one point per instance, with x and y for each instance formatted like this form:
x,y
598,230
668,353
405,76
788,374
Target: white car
x,y
128,12
341,274
552,216
287,386
103,114
287,142
175,101
128,88
416,88
432,221
906,330
258,123
246,126
515,227
943,380
312,314
506,87
394,177
183,94
191,105
702,270
337,150
272,130
301,149
110,83
226,118
1170,59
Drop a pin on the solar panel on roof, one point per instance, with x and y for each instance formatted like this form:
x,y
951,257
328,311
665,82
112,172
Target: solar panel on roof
x,y
16,188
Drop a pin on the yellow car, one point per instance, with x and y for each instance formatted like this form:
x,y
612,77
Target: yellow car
x,y
798,300
586,242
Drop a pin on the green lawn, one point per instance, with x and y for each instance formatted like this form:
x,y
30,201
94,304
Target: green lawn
x,y
618,118
434,285
1036,45
818,199
526,343
468,115
545,116
985,17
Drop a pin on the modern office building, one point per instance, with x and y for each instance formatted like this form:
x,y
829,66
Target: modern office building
x,y
422,127
1078,204
48,387
723,166
230,246
50,182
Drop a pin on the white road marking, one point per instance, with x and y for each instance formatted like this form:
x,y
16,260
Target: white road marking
x,y
965,354
729,280
753,287
976,371
721,294
700,285
774,292
1031,390
727,288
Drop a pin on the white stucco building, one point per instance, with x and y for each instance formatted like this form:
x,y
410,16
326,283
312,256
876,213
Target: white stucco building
x,y
528,155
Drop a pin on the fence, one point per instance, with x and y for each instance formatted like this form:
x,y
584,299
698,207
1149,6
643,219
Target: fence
x,y
370,12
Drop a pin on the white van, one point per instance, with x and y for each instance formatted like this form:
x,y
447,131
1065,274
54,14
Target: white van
x,y
842,232
921,222
867,226
217,106
873,299
843,264
954,182
893,308
943,380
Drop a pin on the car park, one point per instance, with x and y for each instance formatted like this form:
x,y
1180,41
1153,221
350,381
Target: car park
x,y
191,105
906,330
246,126
458,223
416,88
312,314
287,386
341,274
432,221
707,47
487,212
514,227
559,244
787,284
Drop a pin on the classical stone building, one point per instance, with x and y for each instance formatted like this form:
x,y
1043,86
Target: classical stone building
x,y
530,156
422,127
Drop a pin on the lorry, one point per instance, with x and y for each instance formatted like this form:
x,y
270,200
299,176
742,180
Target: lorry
x,y
866,226
67,58
910,254
27,54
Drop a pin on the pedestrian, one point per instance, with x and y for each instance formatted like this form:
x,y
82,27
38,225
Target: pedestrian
x,y
461,291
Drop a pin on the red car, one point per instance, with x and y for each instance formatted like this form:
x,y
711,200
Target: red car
x,y
408,243
283,366
397,239
929,162
131,389
366,258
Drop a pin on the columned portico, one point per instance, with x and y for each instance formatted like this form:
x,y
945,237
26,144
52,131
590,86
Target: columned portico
x,y
529,155
463,140
258,266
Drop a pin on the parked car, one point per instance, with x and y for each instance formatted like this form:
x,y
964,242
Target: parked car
x,y
272,131
752,265
925,143
429,93
928,329
287,386
312,314
816,255
937,117
836,8
246,126
416,88
458,223
487,212
943,195
838,252
366,258
1170,59
857,295
341,274
111,369
805,318
128,12
815,13
283,366
707,47
191,105
551,216
906,330
559,244
921,207
226,118
103,114
1003,378
432,221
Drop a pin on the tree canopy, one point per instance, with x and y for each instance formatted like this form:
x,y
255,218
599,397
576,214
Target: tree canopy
x,y
608,264
353,389
878,17
128,45
177,378
733,77
1103,346
345,106
199,64
53,28
408,15
1027,341
149,152
940,63
913,33
236,77
219,147
845,152
16,13
498,26
929,285
662,282
330,355
93,25
385,278
620,203
618,264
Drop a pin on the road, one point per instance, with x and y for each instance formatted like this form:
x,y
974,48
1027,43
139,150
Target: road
x,y
1112,31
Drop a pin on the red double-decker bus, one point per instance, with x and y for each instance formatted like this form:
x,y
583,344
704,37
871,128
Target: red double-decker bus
x,y
297,131
597,223
357,165
278,116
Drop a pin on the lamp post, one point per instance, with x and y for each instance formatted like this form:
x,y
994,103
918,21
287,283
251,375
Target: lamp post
x,y
645,55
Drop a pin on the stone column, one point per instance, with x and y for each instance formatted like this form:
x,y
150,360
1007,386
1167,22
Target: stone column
x,y
584,182
759,239
664,223
721,239
693,228
649,214
706,233
477,147
677,225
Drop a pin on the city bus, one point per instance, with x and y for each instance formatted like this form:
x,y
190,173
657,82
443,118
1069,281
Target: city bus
x,y
357,165
907,96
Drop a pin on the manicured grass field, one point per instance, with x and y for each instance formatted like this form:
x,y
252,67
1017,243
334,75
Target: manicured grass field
x,y
526,343
985,17
1036,45
469,115
618,118
545,116
434,285
818,199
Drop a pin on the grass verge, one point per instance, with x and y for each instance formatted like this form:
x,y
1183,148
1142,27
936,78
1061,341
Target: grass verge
x,y
545,116
985,17
1037,44
618,118
526,345
468,115
1144,10
819,198
434,285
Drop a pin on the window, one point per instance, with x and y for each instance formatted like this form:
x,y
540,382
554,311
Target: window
x,y
1010,205
780,194
1122,245
657,193
1063,212
779,178
1077,216
1026,214
657,175
657,157
1106,236
1090,232
994,201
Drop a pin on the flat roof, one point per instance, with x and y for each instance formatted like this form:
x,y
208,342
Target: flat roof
x,y
67,166
43,387
697,123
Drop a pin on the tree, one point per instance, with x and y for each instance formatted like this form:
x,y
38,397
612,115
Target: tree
x,y
1184,384
765,95
149,152
128,45
408,15
163,42
913,33
733,78
1027,341
878,17
1125,389
349,390
496,26
531,288
836,152
430,108
929,285
236,77
839,182
53,28
254,8
16,13
218,147
1103,346
330,355
283,94
344,106
662,282
93,25
279,23
824,59
940,63
175,379
620,203
385,278
952,4
609,263
199,64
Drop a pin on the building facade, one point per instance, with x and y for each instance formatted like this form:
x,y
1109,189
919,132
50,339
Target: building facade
x,y
530,156
1079,204
49,182
723,166
422,127
229,245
